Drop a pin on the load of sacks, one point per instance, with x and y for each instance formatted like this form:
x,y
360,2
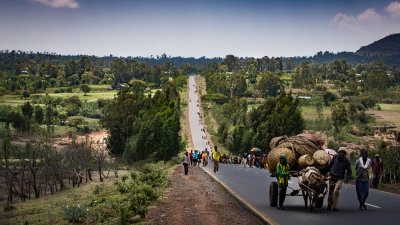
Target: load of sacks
x,y
301,151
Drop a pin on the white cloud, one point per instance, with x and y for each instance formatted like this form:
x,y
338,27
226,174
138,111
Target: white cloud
x,y
368,19
72,4
393,9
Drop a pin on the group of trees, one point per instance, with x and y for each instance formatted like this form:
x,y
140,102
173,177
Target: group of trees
x,y
37,168
240,130
142,127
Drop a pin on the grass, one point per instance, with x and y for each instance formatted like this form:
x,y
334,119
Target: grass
x,y
309,112
390,107
98,92
47,209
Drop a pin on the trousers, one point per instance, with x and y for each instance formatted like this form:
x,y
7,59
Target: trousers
x,y
334,191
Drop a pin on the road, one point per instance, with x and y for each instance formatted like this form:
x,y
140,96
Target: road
x,y
252,185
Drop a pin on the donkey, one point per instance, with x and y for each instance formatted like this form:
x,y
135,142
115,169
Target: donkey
x,y
312,184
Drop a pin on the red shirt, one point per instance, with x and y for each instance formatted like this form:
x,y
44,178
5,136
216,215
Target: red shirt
x,y
377,166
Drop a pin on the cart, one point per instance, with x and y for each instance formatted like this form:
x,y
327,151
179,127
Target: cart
x,y
274,194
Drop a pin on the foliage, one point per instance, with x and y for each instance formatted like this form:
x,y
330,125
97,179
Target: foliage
x,y
142,127
270,84
85,88
276,117
73,213
339,117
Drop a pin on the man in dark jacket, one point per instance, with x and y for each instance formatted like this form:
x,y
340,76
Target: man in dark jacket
x,y
338,167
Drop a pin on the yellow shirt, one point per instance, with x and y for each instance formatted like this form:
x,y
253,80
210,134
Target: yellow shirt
x,y
216,155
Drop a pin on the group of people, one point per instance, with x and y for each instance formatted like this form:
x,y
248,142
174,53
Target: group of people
x,y
196,158
340,172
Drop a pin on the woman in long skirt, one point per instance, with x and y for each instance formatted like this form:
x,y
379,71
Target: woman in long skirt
x,y
363,164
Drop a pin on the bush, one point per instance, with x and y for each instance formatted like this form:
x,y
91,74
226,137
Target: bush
x,y
73,213
320,88
333,145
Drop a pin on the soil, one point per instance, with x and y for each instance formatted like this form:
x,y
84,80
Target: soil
x,y
198,199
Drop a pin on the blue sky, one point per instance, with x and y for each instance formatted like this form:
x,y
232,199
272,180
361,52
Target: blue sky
x,y
195,28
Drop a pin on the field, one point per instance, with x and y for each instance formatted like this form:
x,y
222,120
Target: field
x,y
389,114
97,92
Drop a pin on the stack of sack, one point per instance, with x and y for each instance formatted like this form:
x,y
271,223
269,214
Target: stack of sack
x,y
301,152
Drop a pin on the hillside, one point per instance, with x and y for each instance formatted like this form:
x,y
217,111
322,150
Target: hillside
x,y
384,47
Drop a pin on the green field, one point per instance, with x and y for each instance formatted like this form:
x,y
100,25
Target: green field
x,y
98,92
390,107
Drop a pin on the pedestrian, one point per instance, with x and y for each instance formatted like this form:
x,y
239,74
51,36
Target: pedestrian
x,y
282,177
338,168
191,157
377,169
244,160
186,160
216,155
363,164
194,158
205,160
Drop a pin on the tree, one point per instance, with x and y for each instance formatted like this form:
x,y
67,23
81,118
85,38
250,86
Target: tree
x,y
85,88
26,94
27,110
270,84
339,117
238,85
39,114
276,117
231,62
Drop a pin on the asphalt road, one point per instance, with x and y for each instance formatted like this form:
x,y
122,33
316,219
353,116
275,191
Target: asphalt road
x,y
252,185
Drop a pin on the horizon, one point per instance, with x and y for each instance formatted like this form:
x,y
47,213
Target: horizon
x,y
195,28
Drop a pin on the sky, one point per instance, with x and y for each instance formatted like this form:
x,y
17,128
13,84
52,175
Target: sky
x,y
195,28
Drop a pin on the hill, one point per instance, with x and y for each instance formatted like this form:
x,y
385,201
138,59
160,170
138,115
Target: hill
x,y
385,47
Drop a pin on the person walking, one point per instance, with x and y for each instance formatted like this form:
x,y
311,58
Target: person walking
x,y
216,155
244,159
194,158
363,164
191,157
377,169
186,161
338,168
282,177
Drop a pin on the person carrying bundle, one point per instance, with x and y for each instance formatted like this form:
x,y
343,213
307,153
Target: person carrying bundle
x,y
282,177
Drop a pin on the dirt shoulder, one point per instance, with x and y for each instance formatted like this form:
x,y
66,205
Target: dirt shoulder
x,y
198,199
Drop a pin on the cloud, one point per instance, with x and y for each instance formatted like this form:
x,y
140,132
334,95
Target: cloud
x,y
368,19
72,4
393,9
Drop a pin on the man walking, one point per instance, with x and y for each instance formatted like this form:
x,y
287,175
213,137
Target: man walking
x,y
282,177
363,164
338,167
216,155
186,160
377,169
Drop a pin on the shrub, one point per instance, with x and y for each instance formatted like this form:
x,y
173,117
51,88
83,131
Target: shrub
x,y
73,213
333,145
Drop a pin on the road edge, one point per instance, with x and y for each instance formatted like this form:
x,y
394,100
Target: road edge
x,y
265,218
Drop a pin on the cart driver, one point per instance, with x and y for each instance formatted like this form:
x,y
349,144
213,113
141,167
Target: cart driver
x,y
282,177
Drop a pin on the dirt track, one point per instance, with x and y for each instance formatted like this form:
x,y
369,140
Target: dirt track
x,y
197,199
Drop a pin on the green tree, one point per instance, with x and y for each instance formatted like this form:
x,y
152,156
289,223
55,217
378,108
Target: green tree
x,y
27,110
85,88
231,62
39,114
276,117
339,117
270,84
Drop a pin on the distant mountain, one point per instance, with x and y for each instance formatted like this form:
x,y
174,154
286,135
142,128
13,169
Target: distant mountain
x,y
385,47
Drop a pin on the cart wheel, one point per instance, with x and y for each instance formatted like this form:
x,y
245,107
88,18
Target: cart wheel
x,y
273,194
319,203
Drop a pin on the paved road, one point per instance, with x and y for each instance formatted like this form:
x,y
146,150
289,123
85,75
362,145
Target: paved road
x,y
252,185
